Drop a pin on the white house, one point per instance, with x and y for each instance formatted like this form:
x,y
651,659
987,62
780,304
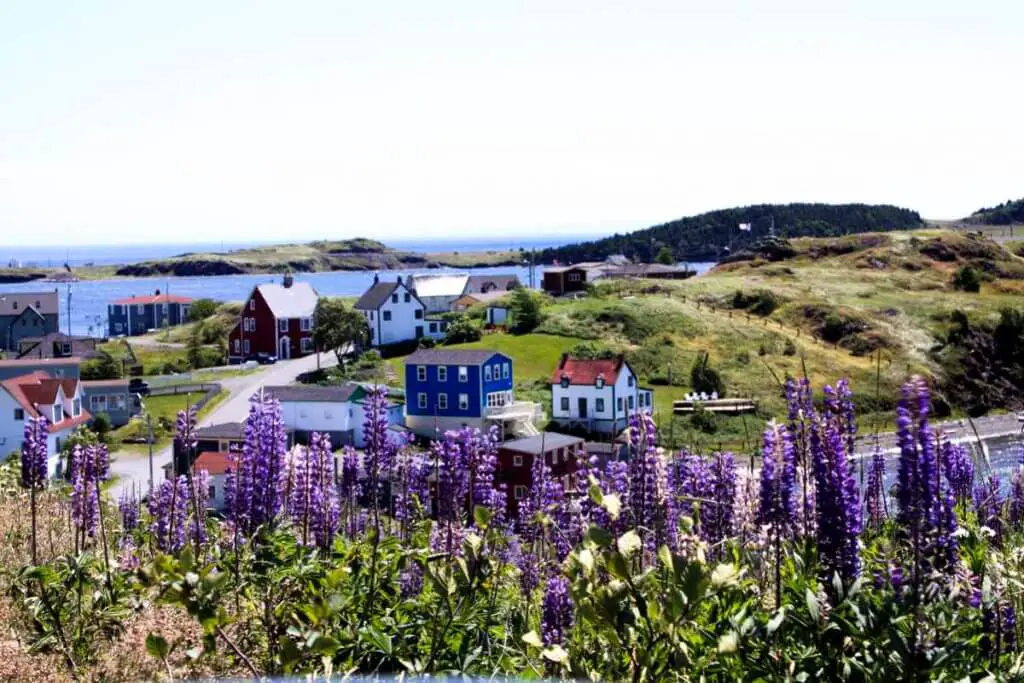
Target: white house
x,y
439,291
395,314
497,302
338,411
35,394
216,464
597,394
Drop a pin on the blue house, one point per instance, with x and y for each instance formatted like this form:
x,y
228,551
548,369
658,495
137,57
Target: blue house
x,y
449,389
139,314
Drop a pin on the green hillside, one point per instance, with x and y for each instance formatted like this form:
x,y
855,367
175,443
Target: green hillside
x,y
1007,213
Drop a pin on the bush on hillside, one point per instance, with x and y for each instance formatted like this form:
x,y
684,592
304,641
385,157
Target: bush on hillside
x,y
762,302
526,311
201,309
591,350
461,330
967,279
704,378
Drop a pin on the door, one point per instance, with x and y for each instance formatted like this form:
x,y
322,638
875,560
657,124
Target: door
x,y
419,331
285,352
583,408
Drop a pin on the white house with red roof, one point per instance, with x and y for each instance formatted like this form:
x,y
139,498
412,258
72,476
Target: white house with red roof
x,y
136,315
35,394
277,320
598,395
216,464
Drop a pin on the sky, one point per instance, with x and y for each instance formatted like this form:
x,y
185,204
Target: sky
x,y
135,122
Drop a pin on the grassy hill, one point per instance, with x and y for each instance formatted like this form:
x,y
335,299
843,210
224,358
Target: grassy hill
x,y
710,236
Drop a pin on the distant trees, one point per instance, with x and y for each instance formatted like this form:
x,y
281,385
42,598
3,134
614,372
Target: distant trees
x,y
1008,212
526,311
665,256
337,327
705,237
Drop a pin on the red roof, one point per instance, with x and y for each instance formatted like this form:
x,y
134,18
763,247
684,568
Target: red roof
x,y
155,299
214,462
39,388
585,371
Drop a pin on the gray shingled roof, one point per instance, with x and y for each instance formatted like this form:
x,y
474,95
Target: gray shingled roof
x,y
225,430
448,356
312,393
501,281
297,301
376,295
45,303
532,444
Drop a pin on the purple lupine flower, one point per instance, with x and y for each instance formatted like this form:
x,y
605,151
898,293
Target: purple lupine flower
x,y
410,581
545,498
836,495
168,508
89,468
447,538
313,504
128,506
185,429
615,480
778,481
801,415
647,486
258,477
958,466
717,517
1016,504
999,625
558,613
34,467
529,572
874,494
452,477
201,482
380,450
483,461
413,497
988,504
128,555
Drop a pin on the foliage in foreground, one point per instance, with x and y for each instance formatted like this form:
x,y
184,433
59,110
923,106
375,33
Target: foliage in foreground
x,y
671,566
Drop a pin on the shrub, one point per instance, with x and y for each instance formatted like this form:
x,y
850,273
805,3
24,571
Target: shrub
x,y
967,279
704,378
462,330
762,302
525,309
789,349
101,426
704,421
202,308
591,350
104,367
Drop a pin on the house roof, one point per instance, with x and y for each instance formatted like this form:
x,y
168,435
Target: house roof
x,y
449,357
155,298
532,445
376,295
45,303
446,284
42,347
38,388
214,462
87,384
642,269
31,364
585,371
311,393
297,301
485,297
499,281
224,430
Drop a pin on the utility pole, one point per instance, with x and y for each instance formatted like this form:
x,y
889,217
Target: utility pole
x,y
149,426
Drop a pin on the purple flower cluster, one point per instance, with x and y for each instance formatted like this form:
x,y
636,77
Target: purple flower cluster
x,y
314,505
999,624
89,467
353,519
201,484
380,450
778,481
256,482
128,506
1015,508
717,516
615,481
168,508
874,495
988,505
185,430
958,466
34,468
558,614
413,496
647,495
801,417
410,581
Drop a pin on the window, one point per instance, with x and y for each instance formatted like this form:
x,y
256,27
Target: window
x,y
442,373
282,324
433,328
565,403
306,344
598,405
631,403
65,349
505,371
418,314
600,381
565,381
371,316
442,401
140,309
211,492
246,345
14,305
463,373
517,461
421,400
19,414
252,304
630,380
574,277
184,312
76,407
58,413
117,402
118,327
520,492
386,316
487,373
306,324
620,404
421,373
252,324
245,324
394,298
463,401
238,345
407,297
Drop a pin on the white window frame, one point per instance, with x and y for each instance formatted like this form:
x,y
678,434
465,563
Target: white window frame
x,y
306,344
517,461
282,324
238,346
442,401
421,400
140,309
598,405
463,401
630,381
394,298
306,324
630,402
76,407
442,373
505,371
65,348
520,492
620,404
564,404
463,373
98,403
247,347
421,373
252,304
19,414
487,373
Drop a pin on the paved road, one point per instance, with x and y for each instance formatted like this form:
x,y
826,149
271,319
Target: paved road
x,y
133,469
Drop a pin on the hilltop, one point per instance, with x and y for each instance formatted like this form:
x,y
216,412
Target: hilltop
x,y
1007,213
710,236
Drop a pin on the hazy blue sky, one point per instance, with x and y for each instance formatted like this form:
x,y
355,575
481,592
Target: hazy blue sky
x,y
208,121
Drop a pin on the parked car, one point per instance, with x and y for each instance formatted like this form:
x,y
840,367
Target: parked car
x,y
263,358
138,386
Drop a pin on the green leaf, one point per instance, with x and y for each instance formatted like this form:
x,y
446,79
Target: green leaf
x,y
617,566
325,645
482,516
556,654
595,494
812,605
533,640
598,536
665,557
156,646
728,643
629,543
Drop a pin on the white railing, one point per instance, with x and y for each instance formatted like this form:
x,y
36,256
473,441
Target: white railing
x,y
526,410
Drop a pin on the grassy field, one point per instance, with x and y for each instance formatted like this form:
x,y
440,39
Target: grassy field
x,y
164,410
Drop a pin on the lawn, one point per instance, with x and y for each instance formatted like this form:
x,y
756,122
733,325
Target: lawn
x,y
164,410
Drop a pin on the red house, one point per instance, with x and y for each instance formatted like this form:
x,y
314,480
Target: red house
x,y
276,319
515,463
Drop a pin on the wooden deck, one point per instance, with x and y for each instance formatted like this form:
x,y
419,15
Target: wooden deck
x,y
719,405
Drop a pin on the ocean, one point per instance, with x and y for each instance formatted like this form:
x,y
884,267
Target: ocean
x,y
89,298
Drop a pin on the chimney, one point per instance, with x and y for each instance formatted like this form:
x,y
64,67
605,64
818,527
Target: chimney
x,y
158,292
376,278
288,280
399,279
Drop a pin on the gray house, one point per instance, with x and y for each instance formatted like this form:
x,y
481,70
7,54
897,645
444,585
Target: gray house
x,y
27,314
111,396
